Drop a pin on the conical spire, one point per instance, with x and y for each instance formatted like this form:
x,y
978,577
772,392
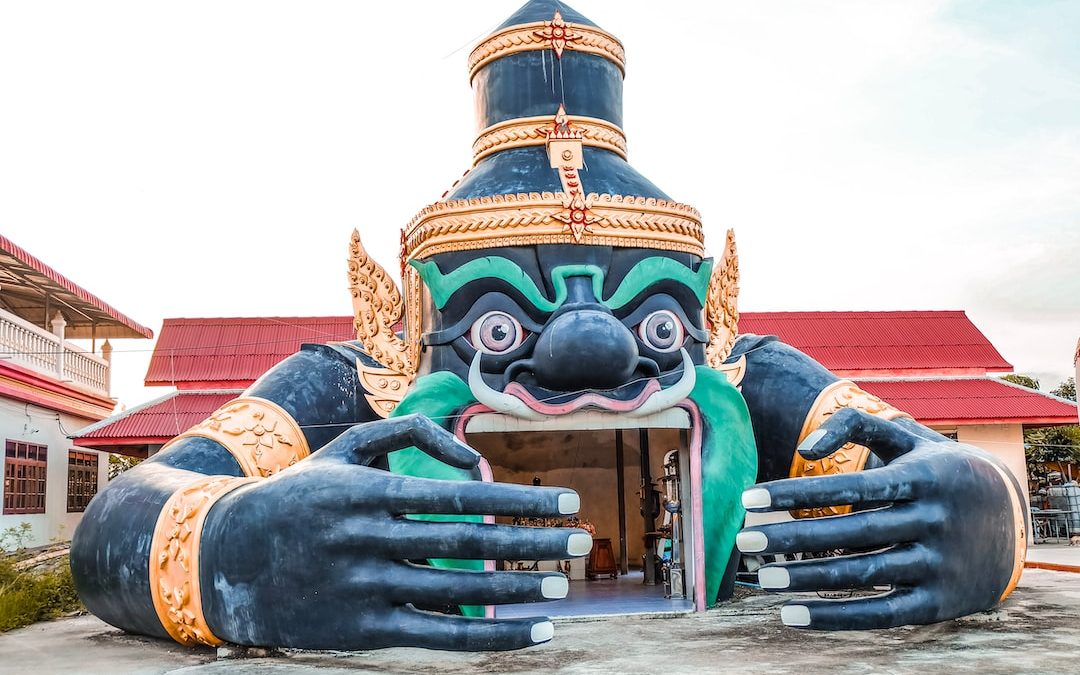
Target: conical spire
x,y
543,10
550,154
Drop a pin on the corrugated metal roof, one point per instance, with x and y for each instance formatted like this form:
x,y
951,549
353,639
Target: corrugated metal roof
x,y
882,341
972,401
235,350
28,275
159,419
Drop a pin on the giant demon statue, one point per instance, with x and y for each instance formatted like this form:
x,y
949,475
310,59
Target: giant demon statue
x,y
333,504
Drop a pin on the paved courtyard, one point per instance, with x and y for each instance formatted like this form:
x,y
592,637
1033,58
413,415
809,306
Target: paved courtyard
x,y
1036,631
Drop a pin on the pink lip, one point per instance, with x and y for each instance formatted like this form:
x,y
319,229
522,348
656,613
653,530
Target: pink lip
x,y
585,400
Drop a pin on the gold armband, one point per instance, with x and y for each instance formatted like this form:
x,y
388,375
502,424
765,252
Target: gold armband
x,y
851,457
174,558
262,437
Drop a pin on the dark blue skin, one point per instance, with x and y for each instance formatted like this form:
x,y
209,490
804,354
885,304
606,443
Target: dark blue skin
x,y
318,555
933,514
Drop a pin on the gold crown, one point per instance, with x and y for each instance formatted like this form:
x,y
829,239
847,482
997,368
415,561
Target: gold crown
x,y
544,218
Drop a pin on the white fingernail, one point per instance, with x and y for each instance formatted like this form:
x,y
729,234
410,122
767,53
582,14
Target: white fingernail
x,y
756,498
569,503
542,632
554,588
578,543
810,440
774,578
751,542
797,616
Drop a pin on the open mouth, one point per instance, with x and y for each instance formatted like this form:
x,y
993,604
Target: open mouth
x,y
678,426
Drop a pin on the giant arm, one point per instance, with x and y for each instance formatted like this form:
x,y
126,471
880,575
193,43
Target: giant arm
x,y
939,522
273,523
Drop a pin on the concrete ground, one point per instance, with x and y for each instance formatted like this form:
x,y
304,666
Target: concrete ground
x,y
1037,630
1056,554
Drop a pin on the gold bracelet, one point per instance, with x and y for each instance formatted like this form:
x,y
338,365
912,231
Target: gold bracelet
x,y
262,437
174,558
849,458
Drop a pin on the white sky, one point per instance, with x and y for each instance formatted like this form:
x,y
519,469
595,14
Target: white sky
x,y
211,158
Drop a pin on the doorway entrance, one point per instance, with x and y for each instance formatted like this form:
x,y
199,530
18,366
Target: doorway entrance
x,y
633,480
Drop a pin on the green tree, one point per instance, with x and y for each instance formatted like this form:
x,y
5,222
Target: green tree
x,y
1022,380
1050,444
1066,389
118,464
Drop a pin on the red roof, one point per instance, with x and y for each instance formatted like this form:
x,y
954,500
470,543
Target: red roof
x,y
972,401
234,352
885,343
155,422
26,280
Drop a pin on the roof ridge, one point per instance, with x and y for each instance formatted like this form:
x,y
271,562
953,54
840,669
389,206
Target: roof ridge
x,y
111,419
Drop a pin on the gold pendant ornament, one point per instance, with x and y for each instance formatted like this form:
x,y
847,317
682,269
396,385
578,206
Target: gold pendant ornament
x,y
722,305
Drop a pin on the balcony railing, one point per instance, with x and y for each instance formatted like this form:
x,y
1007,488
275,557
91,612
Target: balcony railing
x,y
27,345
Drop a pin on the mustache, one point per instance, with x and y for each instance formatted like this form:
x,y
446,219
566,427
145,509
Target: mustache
x,y
512,405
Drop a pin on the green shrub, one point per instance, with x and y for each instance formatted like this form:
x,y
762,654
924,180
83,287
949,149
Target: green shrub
x,y
35,595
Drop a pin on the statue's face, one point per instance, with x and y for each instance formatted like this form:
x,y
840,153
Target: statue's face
x,y
551,329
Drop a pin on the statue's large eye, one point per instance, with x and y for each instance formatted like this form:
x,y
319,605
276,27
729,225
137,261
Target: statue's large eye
x,y
661,330
496,333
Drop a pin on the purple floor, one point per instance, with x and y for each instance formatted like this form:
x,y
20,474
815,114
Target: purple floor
x,y
625,595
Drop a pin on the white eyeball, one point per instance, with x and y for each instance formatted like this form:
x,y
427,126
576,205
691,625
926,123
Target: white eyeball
x,y
496,333
662,330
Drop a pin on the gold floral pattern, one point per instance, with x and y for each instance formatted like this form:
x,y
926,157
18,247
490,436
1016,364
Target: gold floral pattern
x,y
849,458
262,437
558,33
174,559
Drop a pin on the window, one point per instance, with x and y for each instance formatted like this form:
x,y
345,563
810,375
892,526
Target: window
x,y
24,477
82,480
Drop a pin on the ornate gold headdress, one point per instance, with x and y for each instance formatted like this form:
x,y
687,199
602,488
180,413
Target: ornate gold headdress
x,y
388,324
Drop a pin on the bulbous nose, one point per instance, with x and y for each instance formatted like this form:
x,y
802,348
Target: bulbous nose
x,y
584,349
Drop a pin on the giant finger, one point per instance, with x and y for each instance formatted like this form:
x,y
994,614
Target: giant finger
x,y
897,483
455,633
902,565
885,439
900,607
866,529
429,586
428,496
364,443
414,540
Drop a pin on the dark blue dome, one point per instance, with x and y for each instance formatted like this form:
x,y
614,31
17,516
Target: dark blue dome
x,y
522,73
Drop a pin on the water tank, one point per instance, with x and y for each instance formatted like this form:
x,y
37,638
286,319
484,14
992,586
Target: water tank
x,y
1066,498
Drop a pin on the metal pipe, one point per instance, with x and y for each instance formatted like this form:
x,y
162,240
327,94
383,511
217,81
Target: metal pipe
x,y
620,469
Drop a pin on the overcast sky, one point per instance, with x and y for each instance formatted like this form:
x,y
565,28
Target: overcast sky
x,y
211,158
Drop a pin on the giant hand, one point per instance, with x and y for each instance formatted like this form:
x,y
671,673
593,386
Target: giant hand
x,y
942,524
318,555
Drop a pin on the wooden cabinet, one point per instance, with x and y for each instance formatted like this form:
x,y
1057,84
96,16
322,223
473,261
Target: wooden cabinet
x,y
601,560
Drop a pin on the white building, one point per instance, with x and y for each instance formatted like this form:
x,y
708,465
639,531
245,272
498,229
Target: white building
x,y
49,389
